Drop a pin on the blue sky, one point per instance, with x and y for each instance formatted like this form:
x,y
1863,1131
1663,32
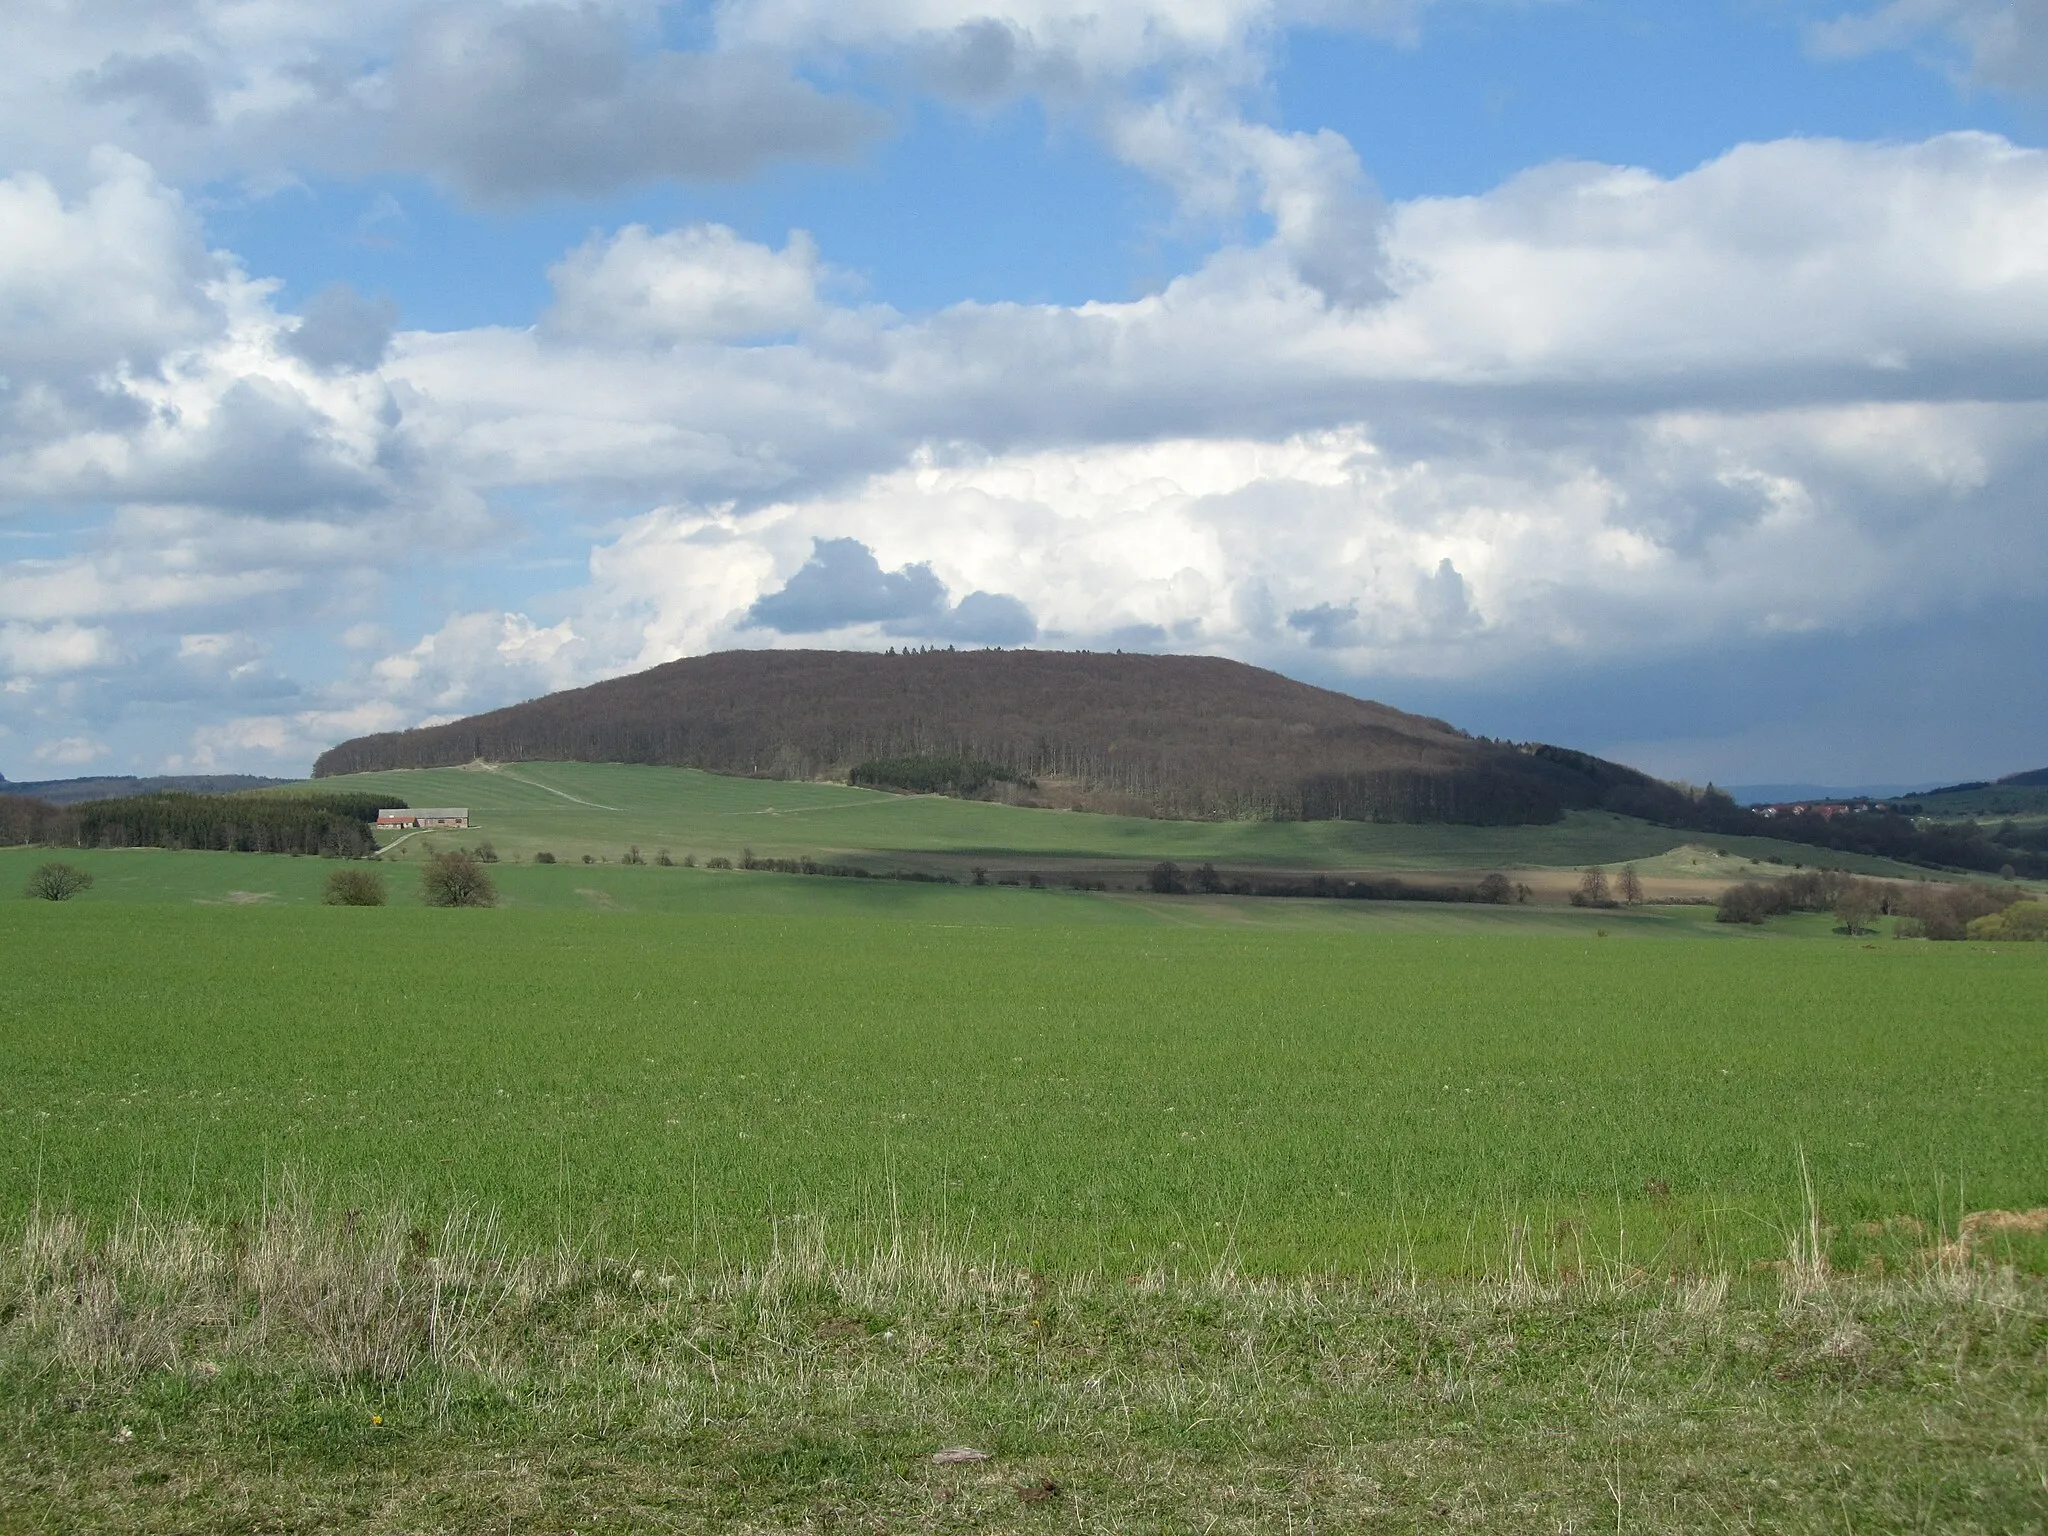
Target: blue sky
x,y
1664,380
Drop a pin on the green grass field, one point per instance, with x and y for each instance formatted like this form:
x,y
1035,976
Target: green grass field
x,y
571,809
1074,1082
665,1199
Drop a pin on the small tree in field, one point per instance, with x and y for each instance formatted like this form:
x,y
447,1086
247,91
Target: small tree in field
x,y
354,888
1592,891
1857,906
1165,879
1629,885
456,880
57,882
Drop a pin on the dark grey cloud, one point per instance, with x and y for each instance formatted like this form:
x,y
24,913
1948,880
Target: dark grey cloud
x,y
172,87
1327,626
843,583
342,330
509,104
986,618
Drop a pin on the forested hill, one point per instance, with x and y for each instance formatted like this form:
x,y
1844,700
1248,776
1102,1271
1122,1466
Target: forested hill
x,y
75,791
1191,736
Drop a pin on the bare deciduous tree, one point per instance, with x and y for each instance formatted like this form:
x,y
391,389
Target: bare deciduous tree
x,y
1630,885
57,881
1592,891
456,880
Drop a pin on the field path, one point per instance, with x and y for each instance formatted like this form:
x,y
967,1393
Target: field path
x,y
534,784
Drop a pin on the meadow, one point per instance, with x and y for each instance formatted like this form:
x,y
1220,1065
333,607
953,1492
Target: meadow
x,y
662,1198
570,809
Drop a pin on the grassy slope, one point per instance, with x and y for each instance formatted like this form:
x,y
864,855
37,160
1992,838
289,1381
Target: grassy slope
x,y
576,808
1077,1093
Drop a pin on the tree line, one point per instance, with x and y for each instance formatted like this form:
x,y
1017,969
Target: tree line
x,y
330,824
1921,909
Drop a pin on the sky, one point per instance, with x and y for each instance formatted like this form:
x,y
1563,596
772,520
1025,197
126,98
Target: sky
x,y
1668,380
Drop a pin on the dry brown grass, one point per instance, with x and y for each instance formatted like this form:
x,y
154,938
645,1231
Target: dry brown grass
x,y
311,1371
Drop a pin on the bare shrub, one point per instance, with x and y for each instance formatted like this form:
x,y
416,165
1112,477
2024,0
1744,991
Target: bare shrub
x,y
1750,902
354,888
662,858
57,881
633,856
456,880
1946,911
543,857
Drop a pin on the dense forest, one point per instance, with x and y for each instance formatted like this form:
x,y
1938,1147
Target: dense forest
x,y
332,825
1179,736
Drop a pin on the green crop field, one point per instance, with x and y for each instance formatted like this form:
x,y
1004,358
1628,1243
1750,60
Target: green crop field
x,y
670,1199
571,809
1069,1080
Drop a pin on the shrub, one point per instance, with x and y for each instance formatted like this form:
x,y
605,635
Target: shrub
x,y
1165,879
1494,888
456,880
633,856
1750,902
57,881
2022,922
486,854
721,862
354,888
664,860
590,858
981,874
689,861
1946,911
543,857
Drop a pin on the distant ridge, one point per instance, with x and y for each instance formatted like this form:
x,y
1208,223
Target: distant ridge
x,y
1190,736
121,787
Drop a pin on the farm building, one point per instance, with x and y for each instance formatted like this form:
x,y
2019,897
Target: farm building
x,y
441,816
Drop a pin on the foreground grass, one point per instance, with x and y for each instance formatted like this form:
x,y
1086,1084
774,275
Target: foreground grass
x,y
298,1374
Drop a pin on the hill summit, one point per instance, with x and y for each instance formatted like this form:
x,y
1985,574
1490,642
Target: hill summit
x,y
1181,736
